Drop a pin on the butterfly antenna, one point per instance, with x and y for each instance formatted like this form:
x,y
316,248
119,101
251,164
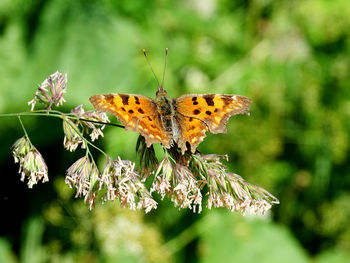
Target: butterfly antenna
x,y
149,64
166,55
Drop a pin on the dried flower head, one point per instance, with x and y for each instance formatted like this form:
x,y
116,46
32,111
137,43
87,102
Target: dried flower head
x,y
84,175
31,164
146,200
72,136
80,174
108,180
129,189
118,180
229,190
91,116
177,182
186,193
51,91
20,149
162,178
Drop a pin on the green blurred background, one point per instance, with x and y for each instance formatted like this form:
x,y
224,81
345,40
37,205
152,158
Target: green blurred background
x,y
292,58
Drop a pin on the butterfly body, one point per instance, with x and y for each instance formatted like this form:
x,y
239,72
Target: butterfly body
x,y
166,111
182,121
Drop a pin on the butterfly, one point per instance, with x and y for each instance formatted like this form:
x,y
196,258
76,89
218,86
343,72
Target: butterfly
x,y
181,121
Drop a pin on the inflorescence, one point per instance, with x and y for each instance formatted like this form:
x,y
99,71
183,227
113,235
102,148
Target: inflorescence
x,y
187,180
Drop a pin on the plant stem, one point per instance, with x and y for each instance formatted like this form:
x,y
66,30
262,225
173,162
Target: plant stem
x,y
56,114
61,115
104,123
24,130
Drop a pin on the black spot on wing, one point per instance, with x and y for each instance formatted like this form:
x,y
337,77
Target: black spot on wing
x,y
194,98
196,112
140,111
125,99
208,112
209,99
131,111
137,101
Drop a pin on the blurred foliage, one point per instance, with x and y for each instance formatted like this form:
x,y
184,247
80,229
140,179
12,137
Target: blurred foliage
x,y
248,241
290,57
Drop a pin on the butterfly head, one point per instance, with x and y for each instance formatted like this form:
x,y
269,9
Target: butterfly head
x,y
161,91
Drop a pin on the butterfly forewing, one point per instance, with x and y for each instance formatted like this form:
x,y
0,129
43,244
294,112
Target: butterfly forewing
x,y
213,109
136,112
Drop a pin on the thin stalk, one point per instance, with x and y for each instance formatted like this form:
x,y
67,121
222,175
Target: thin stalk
x,y
60,115
103,123
94,146
57,114
24,130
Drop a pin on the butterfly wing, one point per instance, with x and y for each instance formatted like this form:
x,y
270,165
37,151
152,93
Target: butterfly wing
x,y
136,112
192,130
213,109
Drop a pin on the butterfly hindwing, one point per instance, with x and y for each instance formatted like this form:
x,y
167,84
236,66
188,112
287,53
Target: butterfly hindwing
x,y
136,112
213,109
150,128
192,131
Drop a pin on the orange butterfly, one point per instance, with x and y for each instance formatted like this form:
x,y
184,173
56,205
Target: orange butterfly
x,y
182,120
